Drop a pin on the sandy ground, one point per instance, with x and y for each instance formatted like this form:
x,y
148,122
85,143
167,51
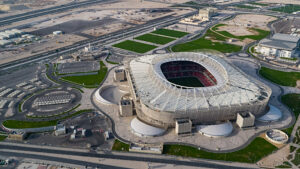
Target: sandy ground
x,y
125,18
36,48
238,26
108,29
36,4
276,158
118,6
281,1
231,1
134,16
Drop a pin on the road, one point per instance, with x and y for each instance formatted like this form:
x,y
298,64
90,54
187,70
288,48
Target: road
x,y
5,150
46,11
103,40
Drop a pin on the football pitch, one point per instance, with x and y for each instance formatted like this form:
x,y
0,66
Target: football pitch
x,y
187,81
135,46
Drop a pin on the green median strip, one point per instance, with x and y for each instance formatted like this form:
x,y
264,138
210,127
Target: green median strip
x,y
207,42
288,8
18,124
120,146
2,137
280,77
256,150
260,33
245,6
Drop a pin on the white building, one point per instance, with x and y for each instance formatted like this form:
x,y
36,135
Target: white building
x,y
55,33
280,45
202,16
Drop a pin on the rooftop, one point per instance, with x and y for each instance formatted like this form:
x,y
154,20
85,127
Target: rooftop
x,y
281,41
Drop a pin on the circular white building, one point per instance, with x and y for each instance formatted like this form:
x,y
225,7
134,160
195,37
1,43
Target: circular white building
x,y
203,88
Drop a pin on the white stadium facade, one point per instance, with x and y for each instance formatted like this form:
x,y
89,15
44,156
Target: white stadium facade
x,y
206,89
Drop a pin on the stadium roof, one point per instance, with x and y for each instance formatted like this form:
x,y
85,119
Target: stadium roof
x,y
274,114
144,129
233,87
218,130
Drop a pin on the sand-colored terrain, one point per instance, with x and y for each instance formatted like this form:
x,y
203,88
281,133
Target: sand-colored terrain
x,y
106,29
31,5
281,1
241,25
47,44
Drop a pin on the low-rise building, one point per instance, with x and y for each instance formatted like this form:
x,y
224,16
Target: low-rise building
x,y
119,75
245,120
17,136
126,107
57,33
279,45
60,130
183,126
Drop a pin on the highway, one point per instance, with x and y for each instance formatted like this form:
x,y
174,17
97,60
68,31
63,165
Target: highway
x,y
46,11
103,40
116,156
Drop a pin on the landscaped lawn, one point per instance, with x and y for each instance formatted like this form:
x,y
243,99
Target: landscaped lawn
x,y
171,33
135,46
293,102
296,159
260,4
120,146
203,43
279,77
89,81
210,40
16,124
289,8
155,39
2,137
261,33
256,150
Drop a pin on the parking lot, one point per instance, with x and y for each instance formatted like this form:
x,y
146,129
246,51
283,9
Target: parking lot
x,y
75,67
94,124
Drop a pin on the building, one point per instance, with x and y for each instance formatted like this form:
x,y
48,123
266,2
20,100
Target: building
x,y
17,136
205,14
60,130
119,75
160,94
55,33
126,107
279,45
245,120
183,126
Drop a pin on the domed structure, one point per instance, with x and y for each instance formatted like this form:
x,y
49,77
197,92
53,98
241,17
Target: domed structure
x,y
203,88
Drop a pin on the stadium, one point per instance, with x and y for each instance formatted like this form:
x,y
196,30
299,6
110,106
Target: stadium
x,y
203,88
